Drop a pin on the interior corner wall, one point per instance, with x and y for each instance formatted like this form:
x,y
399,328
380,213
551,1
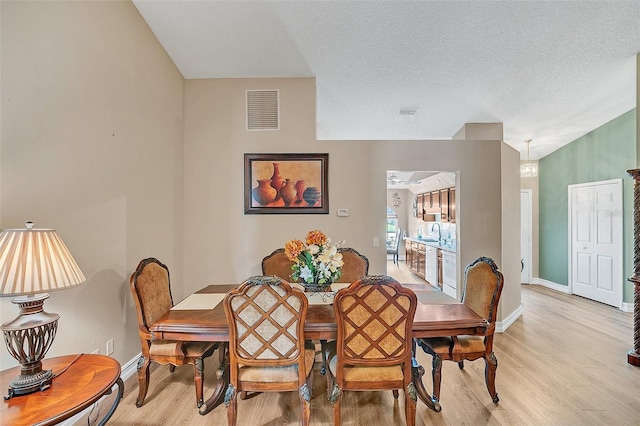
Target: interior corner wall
x,y
602,154
91,126
224,245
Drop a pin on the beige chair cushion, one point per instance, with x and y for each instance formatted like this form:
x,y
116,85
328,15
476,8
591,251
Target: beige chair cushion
x,y
468,344
367,374
287,373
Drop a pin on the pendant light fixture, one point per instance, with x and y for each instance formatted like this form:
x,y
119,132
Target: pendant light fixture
x,y
528,168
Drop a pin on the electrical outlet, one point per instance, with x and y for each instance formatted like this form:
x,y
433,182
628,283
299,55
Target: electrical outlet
x,y
110,347
96,352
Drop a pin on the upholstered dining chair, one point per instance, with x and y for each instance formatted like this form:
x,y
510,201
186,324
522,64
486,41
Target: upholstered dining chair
x,y
266,342
277,264
481,292
395,248
355,265
374,316
151,289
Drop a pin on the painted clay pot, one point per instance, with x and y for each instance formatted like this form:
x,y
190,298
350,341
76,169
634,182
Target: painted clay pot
x,y
276,180
264,193
311,195
300,187
288,192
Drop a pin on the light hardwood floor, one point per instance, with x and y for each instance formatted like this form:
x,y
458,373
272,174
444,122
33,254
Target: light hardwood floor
x,y
562,363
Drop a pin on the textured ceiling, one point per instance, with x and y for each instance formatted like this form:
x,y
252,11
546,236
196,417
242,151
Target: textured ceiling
x,y
550,71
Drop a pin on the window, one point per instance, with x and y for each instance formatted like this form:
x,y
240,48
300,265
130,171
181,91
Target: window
x,y
392,225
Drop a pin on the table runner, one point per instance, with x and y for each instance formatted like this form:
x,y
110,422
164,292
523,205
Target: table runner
x,y
200,301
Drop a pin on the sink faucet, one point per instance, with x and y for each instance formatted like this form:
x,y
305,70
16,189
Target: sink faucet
x,y
439,231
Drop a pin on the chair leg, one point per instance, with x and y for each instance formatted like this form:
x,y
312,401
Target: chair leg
x,y
409,409
396,394
336,412
436,373
143,380
305,398
491,365
198,380
232,406
461,365
172,368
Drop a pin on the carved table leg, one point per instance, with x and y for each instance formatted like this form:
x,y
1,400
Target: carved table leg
x,y
222,374
417,372
633,356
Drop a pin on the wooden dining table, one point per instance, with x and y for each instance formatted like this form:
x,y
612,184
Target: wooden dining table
x,y
200,317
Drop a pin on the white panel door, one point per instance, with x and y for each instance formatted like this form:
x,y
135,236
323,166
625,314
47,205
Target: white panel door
x,y
596,241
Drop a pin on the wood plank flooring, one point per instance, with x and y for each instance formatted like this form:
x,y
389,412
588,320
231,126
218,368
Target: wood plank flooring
x,y
562,363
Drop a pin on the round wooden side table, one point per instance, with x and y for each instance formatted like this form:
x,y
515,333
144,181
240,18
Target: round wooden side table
x,y
80,380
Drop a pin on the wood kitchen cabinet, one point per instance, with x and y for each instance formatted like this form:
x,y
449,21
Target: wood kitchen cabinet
x,y
435,202
452,204
444,205
415,257
442,202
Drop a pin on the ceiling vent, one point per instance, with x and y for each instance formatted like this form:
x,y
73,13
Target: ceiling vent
x,y
263,110
408,112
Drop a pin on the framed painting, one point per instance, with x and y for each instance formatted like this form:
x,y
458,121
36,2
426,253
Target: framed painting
x,y
286,183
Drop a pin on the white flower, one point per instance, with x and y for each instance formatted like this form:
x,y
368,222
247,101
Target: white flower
x,y
306,274
313,249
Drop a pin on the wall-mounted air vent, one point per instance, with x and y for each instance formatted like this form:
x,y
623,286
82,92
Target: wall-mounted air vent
x,y
408,112
263,110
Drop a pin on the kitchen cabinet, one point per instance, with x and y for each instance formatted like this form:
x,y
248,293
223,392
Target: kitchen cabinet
x,y
420,206
452,205
415,257
444,205
435,202
442,202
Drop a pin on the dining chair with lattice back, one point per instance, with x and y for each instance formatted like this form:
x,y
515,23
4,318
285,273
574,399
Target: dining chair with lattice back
x,y
277,263
267,351
482,288
374,317
151,290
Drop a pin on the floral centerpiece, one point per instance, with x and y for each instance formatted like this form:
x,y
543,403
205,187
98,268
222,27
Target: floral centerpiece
x,y
316,262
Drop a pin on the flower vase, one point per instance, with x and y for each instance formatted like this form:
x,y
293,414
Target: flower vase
x,y
316,287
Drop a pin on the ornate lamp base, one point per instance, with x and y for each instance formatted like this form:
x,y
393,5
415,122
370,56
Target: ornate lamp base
x,y
28,338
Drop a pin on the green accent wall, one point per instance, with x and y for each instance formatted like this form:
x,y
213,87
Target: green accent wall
x,y
602,154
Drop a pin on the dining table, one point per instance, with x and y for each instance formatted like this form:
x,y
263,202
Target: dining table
x,y
200,317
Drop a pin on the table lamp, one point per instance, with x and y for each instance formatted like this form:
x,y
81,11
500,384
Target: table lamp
x,y
33,262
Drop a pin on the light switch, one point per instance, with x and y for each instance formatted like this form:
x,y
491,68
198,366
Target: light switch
x,y
343,212
376,241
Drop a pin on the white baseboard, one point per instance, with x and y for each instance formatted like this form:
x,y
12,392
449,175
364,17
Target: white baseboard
x,y
502,326
550,284
626,307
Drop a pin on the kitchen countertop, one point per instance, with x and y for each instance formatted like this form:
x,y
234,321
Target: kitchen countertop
x,y
430,242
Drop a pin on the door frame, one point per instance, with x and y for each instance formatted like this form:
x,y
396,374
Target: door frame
x,y
618,182
529,259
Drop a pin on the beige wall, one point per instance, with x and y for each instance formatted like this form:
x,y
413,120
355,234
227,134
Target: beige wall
x,y
92,146
223,245
103,140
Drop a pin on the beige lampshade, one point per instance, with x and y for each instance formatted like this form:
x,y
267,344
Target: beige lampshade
x,y
35,261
